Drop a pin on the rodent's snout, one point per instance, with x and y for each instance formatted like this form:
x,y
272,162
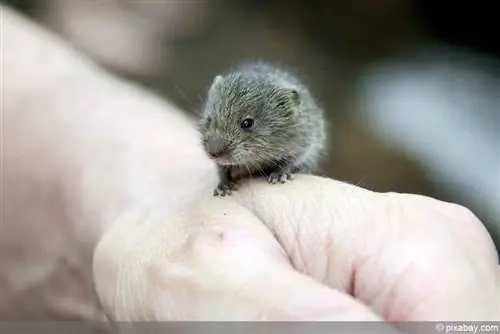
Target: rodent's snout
x,y
216,147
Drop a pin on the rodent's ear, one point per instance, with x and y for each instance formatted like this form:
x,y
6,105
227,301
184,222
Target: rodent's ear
x,y
292,95
215,82
291,99
218,79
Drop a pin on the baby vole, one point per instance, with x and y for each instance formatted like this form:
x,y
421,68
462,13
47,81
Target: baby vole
x,y
259,119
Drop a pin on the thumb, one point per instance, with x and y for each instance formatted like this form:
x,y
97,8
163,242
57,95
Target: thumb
x,y
297,297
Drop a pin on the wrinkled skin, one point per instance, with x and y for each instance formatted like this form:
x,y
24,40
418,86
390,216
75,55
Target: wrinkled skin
x,y
105,185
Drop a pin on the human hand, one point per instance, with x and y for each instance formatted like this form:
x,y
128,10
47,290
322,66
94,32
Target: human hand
x,y
395,257
407,257
129,169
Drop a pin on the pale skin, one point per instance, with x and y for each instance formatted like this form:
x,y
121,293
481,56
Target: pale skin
x,y
106,185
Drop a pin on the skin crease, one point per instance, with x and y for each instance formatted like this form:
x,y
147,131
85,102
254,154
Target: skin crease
x,y
98,193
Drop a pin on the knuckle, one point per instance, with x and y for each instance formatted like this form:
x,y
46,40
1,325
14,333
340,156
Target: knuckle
x,y
460,212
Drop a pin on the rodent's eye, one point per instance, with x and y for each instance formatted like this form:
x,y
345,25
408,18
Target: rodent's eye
x,y
247,123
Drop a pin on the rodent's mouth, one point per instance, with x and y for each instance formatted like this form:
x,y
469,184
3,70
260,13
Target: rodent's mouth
x,y
223,161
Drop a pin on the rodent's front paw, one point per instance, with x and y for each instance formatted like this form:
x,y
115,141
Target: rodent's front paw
x,y
280,176
224,189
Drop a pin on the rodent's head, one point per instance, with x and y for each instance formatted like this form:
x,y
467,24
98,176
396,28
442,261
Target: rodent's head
x,y
248,120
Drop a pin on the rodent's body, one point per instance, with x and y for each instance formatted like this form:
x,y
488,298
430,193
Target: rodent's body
x,y
261,119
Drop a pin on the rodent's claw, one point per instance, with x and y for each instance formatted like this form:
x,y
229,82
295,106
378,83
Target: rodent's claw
x,y
222,192
224,189
279,177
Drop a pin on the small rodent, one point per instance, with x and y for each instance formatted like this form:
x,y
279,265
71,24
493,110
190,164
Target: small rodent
x,y
259,119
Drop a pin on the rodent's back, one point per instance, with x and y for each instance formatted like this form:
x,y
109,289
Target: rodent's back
x,y
265,73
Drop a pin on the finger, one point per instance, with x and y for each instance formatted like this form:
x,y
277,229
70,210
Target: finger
x,y
396,253
214,263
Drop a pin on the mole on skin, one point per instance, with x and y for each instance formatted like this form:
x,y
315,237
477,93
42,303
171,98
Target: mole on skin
x,y
261,120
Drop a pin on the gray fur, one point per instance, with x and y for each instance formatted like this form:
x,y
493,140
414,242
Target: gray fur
x,y
288,135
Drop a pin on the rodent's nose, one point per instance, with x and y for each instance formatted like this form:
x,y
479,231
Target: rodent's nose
x,y
216,148
215,154
217,151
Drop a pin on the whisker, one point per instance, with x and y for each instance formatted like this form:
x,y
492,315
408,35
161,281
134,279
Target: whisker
x,y
184,96
257,166
358,184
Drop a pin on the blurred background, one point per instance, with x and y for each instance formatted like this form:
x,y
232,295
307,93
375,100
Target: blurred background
x,y
412,88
